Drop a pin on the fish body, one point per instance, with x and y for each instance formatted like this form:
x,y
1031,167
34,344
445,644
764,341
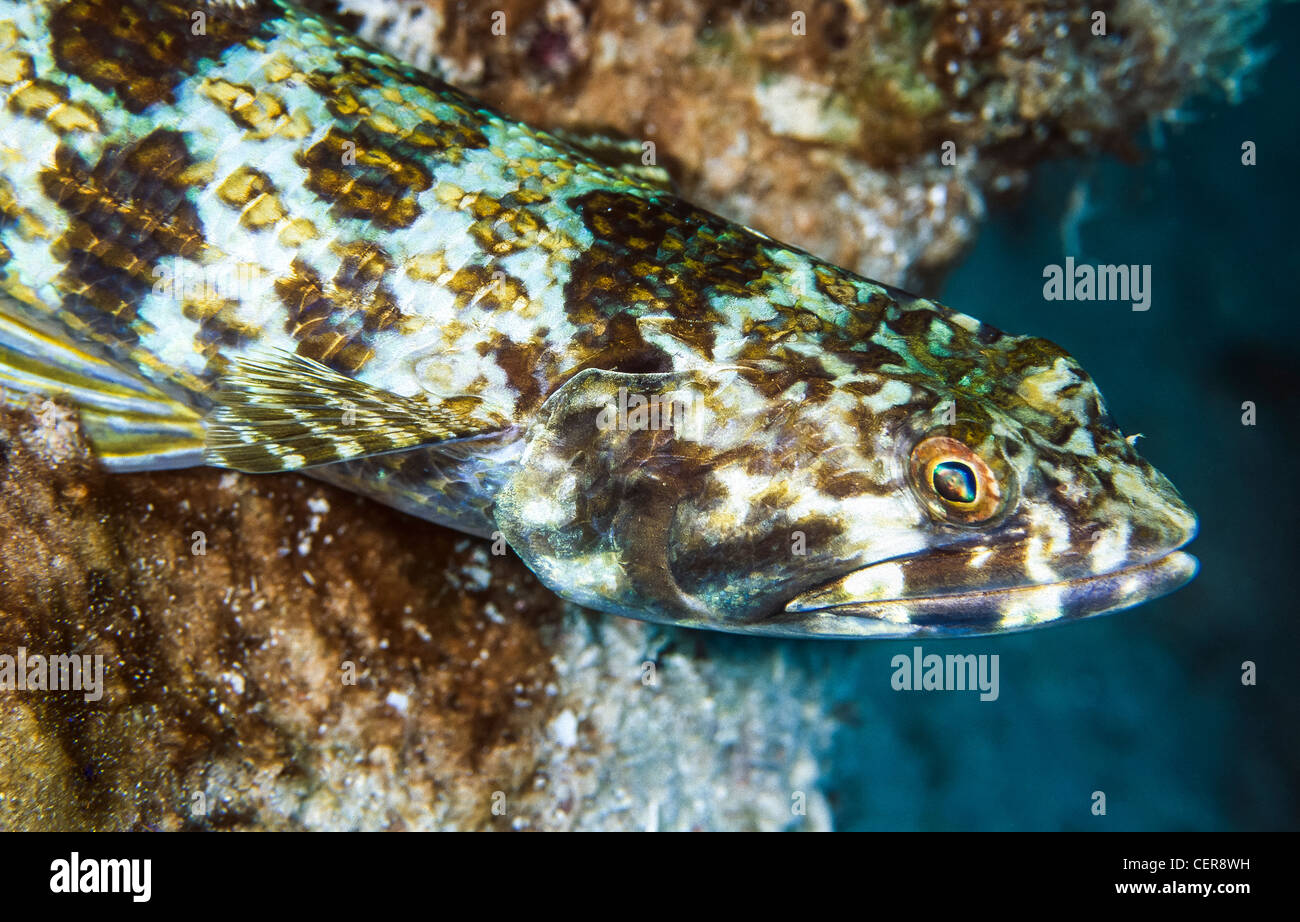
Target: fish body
x,y
234,234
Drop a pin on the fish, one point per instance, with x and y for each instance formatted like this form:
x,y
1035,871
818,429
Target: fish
x,y
233,234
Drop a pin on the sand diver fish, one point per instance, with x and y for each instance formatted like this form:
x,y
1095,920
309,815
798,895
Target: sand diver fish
x,y
233,234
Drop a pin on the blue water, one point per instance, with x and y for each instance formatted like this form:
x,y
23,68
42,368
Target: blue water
x,y
1147,706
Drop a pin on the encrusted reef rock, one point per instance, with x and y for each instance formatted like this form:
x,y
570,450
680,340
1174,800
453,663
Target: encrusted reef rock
x,y
823,123
279,654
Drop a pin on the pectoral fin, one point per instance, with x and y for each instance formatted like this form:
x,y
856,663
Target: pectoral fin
x,y
282,411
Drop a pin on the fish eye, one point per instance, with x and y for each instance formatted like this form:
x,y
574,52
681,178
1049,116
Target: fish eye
x,y
955,482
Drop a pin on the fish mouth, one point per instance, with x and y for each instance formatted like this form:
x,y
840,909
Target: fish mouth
x,y
832,610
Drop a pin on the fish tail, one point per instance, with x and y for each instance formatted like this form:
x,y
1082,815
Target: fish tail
x,y
130,423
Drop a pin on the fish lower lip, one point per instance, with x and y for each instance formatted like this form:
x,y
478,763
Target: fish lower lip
x,y
1017,607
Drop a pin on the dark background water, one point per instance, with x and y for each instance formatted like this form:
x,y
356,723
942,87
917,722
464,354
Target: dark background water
x,y
1147,706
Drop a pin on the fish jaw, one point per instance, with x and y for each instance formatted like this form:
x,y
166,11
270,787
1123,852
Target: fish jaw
x,y
851,606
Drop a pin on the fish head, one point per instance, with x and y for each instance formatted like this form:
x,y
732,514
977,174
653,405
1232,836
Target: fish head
x,y
1026,503
1029,507
982,491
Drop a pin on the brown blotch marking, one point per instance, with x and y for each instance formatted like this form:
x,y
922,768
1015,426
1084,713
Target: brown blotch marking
x,y
445,137
72,117
525,366
335,323
219,324
1011,359
41,99
892,421
777,496
427,267
846,289
141,50
635,514
778,369
868,387
487,288
764,545
279,68
29,223
310,313
1107,442
260,113
836,285
616,344
847,336
839,483
362,262
1033,352
574,434
710,494
505,225
243,185
1106,479
866,303
254,194
699,335
660,255
361,274
265,212
15,66
961,357
1059,435
381,186
338,90
127,214
1084,492
752,460
913,322
1083,532
1143,535
297,232
774,329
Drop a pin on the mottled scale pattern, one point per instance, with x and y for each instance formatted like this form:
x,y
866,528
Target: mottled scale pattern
x,y
194,186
